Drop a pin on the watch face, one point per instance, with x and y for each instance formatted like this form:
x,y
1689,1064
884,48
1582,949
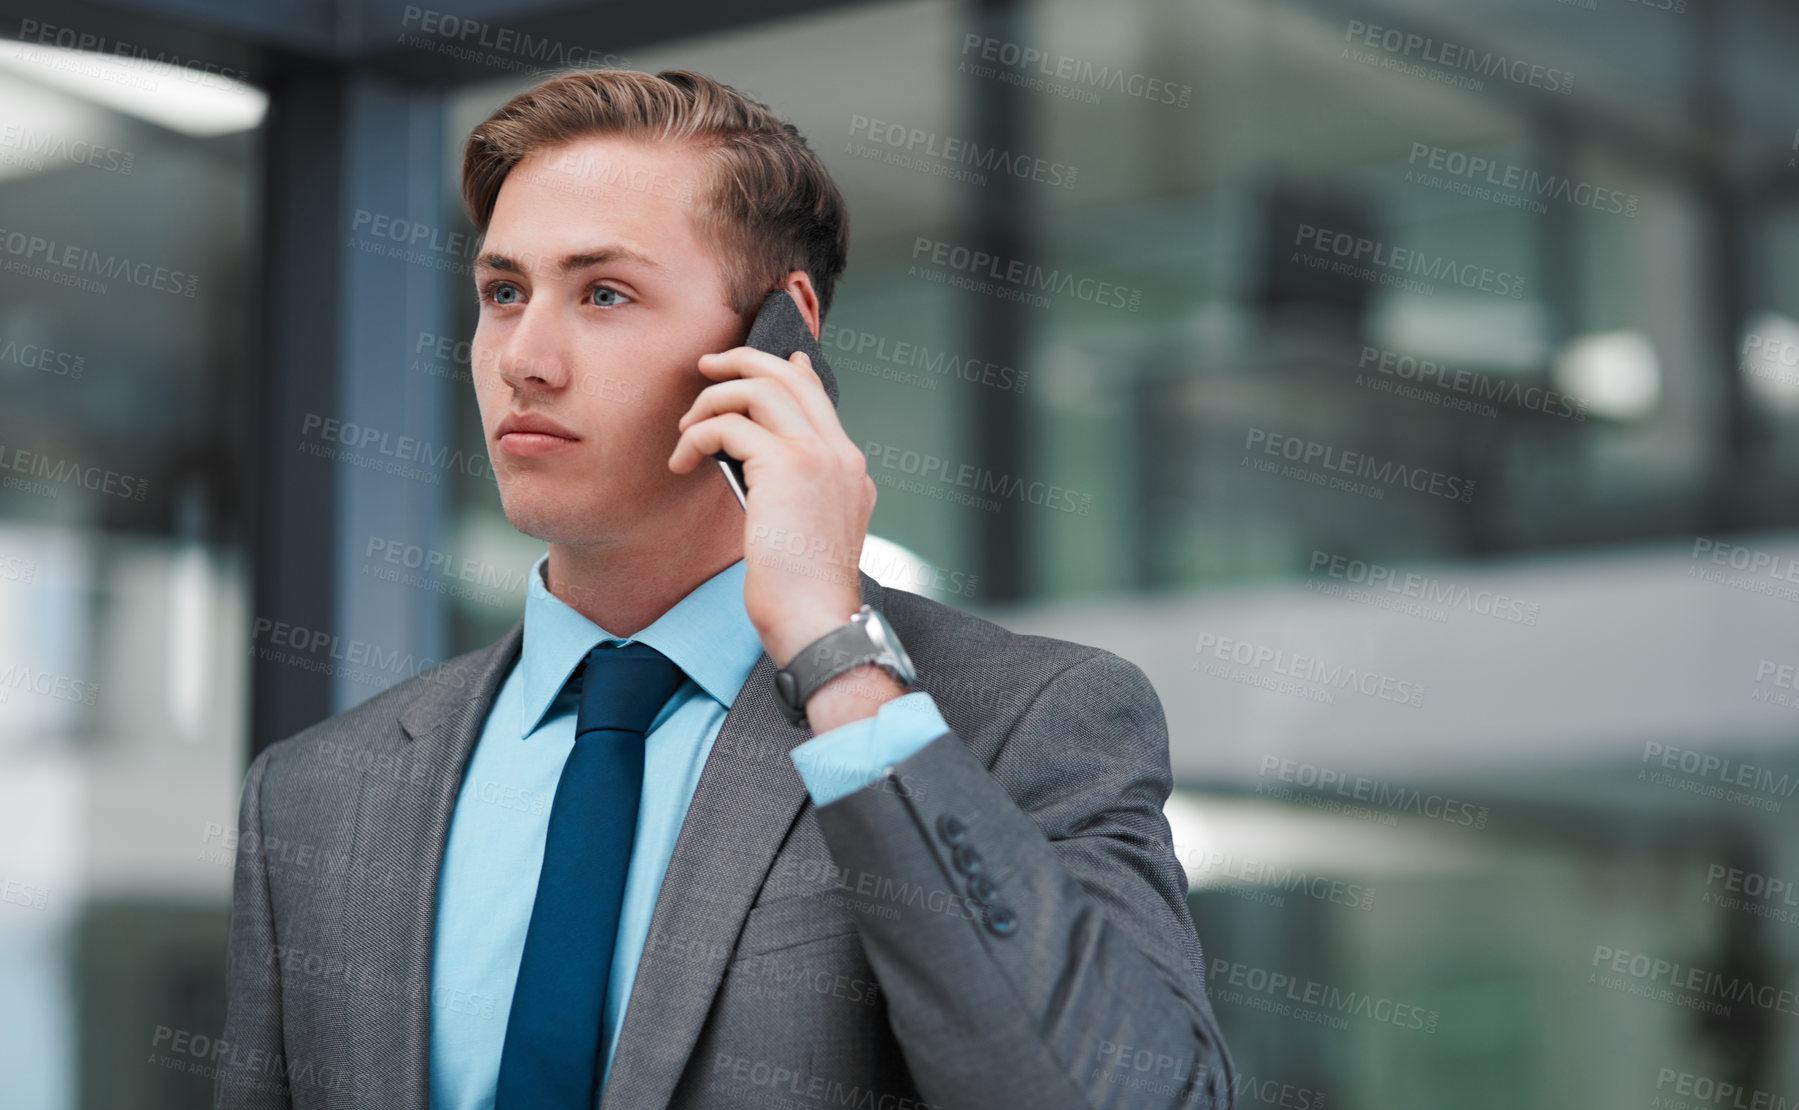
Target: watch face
x,y
887,640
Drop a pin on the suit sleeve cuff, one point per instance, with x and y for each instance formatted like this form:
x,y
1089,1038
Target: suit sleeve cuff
x,y
851,756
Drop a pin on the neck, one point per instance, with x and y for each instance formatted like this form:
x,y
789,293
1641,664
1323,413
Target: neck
x,y
624,584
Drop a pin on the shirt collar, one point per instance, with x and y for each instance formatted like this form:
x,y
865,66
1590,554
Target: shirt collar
x,y
707,634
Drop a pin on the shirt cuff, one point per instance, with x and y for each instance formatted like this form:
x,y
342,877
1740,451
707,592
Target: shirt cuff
x,y
851,756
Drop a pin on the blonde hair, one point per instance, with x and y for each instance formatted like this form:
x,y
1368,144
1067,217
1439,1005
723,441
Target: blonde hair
x,y
769,204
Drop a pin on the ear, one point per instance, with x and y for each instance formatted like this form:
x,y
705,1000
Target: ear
x,y
799,287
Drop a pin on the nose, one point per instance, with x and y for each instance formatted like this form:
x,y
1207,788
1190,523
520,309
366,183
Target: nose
x,y
533,354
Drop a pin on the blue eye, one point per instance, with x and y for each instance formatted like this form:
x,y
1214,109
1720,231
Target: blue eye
x,y
492,292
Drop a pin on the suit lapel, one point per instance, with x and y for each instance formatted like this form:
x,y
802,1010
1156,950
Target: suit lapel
x,y
390,891
743,806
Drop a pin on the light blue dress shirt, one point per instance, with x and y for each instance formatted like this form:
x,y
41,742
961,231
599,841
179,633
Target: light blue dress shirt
x,y
488,881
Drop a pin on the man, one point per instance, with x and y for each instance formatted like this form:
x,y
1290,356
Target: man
x,y
695,832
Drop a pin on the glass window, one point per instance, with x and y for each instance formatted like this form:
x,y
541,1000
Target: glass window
x,y
127,259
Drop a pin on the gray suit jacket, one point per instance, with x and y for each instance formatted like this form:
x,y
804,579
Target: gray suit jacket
x,y
798,955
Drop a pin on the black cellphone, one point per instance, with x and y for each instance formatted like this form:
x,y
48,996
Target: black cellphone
x,y
780,330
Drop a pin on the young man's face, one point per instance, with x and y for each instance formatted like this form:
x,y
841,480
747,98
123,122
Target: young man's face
x,y
607,349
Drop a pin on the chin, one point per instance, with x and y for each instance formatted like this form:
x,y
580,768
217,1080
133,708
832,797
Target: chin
x,y
552,518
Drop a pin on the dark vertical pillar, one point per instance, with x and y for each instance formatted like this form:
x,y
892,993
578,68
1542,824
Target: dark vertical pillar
x,y
1728,201
293,522
1000,225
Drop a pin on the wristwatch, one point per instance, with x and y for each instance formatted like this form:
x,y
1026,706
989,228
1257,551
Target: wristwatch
x,y
867,638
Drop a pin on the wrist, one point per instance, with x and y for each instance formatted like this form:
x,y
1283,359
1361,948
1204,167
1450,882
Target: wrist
x,y
851,696
800,628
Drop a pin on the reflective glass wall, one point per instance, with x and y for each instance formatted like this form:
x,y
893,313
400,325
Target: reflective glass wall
x,y
128,194
1410,389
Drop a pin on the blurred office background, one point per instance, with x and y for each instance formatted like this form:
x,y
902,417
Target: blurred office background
x,y
1470,755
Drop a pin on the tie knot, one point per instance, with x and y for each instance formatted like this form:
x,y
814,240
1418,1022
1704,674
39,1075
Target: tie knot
x,y
622,687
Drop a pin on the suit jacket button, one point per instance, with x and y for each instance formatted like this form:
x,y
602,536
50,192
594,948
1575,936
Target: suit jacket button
x,y
951,829
968,861
981,888
1001,921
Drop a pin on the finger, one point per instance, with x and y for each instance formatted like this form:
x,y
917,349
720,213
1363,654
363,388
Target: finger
x,y
766,402
741,362
731,432
795,372
812,395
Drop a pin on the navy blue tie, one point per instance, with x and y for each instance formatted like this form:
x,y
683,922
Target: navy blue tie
x,y
552,1054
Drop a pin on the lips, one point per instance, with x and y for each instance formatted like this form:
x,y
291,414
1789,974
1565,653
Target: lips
x,y
529,433
532,423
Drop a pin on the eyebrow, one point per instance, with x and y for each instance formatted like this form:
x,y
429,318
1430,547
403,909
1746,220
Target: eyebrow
x,y
577,261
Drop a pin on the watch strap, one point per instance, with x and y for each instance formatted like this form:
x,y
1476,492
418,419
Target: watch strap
x,y
841,649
